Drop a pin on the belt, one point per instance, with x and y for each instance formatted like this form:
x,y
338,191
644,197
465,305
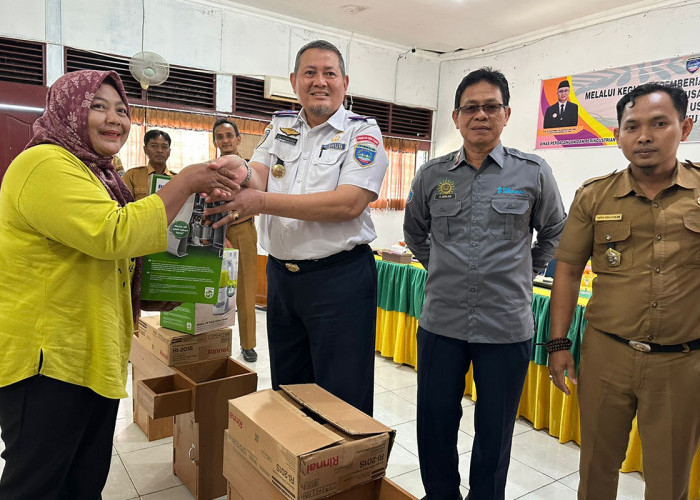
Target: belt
x,y
651,347
305,266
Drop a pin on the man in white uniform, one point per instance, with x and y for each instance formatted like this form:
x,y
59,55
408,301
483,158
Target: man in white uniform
x,y
312,176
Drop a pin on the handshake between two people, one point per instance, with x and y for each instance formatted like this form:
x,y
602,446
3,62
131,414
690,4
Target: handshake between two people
x,y
230,184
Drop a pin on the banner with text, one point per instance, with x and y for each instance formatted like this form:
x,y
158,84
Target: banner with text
x,y
579,110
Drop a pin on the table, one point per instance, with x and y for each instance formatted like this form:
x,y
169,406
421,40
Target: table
x,y
399,302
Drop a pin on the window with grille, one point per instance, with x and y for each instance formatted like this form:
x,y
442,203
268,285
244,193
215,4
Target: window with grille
x,y
184,89
393,120
22,61
249,99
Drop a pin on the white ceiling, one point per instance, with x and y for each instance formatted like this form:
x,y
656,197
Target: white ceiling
x,y
448,25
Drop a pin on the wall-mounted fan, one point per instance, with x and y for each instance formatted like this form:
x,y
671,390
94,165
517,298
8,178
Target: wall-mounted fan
x,y
149,68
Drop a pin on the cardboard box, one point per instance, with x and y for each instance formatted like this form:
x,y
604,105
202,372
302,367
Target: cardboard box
x,y
279,434
189,269
399,258
176,348
145,365
197,394
247,483
153,428
195,318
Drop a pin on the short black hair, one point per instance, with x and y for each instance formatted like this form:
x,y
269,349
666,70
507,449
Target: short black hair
x,y
321,45
153,133
486,74
221,121
677,95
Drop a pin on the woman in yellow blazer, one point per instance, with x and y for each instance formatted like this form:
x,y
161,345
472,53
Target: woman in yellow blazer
x,y
69,242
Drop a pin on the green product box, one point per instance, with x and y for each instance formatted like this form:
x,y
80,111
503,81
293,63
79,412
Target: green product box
x,y
196,318
189,270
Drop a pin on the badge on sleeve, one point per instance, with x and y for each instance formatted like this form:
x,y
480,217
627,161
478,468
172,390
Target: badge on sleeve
x,y
364,154
367,138
265,134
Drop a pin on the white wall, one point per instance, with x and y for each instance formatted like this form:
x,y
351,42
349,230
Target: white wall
x,y
24,19
659,34
223,39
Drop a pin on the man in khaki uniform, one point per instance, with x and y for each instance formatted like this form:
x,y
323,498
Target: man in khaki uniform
x,y
243,235
156,145
641,348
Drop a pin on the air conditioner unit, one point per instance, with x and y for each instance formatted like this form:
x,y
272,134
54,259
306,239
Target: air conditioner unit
x,y
279,89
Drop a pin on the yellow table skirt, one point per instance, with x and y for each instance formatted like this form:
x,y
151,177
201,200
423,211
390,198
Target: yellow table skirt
x,y
541,403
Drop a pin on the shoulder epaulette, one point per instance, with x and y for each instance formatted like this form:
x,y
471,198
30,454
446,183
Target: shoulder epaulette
x,y
599,178
289,112
361,118
692,164
440,160
524,156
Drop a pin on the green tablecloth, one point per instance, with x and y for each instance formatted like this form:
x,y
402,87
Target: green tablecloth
x,y
401,289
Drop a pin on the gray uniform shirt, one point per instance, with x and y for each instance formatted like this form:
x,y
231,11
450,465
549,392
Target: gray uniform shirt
x,y
472,230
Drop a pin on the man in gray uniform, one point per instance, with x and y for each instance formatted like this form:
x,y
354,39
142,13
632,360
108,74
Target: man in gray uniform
x,y
469,220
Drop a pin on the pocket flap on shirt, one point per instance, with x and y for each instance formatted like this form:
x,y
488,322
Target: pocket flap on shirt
x,y
509,205
611,231
331,156
285,151
691,221
445,208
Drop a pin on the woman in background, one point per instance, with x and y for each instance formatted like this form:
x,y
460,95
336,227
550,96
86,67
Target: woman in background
x,y
71,286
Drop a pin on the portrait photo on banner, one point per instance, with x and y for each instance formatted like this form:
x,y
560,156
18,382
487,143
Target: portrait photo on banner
x,y
579,110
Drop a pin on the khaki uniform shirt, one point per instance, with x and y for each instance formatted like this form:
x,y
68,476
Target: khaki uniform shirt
x,y
138,180
651,293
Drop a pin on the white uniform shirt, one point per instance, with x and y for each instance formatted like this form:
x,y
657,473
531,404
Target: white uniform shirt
x,y
346,149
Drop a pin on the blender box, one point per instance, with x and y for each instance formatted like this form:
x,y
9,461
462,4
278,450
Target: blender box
x,y
194,318
189,270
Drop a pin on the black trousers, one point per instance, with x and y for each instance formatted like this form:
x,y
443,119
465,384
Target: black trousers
x,y
499,374
58,440
321,324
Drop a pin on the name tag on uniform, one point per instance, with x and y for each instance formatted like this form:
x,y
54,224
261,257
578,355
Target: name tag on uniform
x,y
286,138
603,217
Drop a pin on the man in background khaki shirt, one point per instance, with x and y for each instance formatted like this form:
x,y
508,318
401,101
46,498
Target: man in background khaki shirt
x,y
156,145
243,235
641,348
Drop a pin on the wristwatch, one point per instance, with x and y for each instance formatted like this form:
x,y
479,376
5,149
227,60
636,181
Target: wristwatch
x,y
250,173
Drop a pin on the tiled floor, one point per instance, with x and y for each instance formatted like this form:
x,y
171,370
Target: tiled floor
x,y
540,468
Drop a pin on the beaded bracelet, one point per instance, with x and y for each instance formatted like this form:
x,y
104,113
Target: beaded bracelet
x,y
560,344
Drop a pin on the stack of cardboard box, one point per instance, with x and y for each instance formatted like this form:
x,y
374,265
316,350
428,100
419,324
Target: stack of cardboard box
x,y
156,350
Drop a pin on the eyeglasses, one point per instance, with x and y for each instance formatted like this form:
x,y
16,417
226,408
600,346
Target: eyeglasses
x,y
489,109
